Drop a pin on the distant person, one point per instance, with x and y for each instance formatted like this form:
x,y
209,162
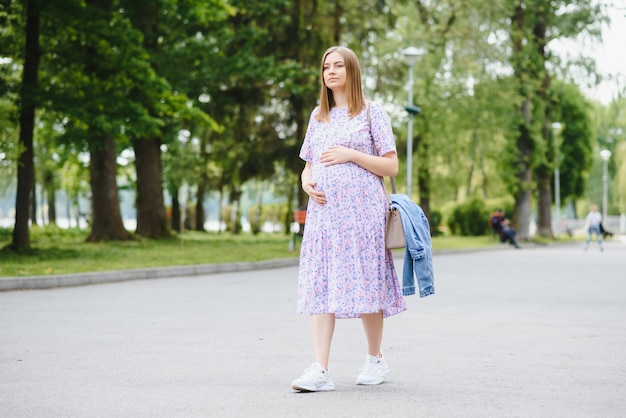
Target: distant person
x,y
345,270
501,226
592,224
508,233
495,222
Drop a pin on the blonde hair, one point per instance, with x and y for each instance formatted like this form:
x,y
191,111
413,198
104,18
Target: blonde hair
x,y
354,87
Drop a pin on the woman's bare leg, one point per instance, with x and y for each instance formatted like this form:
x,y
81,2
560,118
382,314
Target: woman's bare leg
x,y
373,326
323,327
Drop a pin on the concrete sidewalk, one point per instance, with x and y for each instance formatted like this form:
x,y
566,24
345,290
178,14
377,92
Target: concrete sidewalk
x,y
538,332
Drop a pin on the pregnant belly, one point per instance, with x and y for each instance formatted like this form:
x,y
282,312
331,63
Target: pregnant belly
x,y
345,181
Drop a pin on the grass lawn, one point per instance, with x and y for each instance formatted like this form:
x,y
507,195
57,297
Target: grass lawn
x,y
59,251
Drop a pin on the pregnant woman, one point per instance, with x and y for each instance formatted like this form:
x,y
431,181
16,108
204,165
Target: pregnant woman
x,y
345,270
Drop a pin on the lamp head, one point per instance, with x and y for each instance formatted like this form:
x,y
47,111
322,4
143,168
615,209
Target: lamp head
x,y
605,154
413,110
412,54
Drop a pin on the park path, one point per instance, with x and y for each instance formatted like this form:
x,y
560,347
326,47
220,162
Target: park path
x,y
537,332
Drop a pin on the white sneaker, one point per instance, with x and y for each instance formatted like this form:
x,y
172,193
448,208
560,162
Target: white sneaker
x,y
313,379
373,371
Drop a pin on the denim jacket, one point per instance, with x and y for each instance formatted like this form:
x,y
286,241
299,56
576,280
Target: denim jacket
x,y
418,259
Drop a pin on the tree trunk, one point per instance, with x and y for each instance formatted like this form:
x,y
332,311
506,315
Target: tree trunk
x,y
235,196
199,221
25,167
52,211
33,200
48,195
483,172
423,181
44,221
107,222
175,210
151,218
203,184
521,216
337,16
543,171
472,156
544,202
106,219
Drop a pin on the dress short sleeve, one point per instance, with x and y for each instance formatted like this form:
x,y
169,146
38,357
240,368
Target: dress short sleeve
x,y
306,151
382,132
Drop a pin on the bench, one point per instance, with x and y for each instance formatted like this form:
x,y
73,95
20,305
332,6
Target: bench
x,y
299,217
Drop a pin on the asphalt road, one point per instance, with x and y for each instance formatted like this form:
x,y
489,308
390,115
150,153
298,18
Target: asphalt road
x,y
537,332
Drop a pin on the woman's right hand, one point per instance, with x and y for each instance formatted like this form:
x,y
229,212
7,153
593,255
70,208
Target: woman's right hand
x,y
317,196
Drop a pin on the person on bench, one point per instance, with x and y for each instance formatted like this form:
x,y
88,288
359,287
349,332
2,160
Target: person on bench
x,y
501,226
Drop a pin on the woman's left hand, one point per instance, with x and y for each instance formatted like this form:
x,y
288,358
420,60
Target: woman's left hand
x,y
337,155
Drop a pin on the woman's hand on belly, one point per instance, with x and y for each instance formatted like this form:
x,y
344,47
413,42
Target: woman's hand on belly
x,y
337,155
317,196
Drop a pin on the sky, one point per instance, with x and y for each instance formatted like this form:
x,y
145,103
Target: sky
x,y
610,55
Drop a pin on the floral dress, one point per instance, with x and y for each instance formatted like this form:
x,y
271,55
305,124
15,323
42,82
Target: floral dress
x,y
344,266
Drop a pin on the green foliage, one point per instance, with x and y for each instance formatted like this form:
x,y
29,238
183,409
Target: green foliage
x,y
469,218
436,217
231,218
577,139
256,218
10,74
227,86
620,181
9,145
259,215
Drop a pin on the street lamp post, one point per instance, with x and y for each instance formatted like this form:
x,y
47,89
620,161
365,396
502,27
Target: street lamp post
x,y
605,154
411,55
556,127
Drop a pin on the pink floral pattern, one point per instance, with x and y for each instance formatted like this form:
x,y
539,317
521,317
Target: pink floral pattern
x,y
344,266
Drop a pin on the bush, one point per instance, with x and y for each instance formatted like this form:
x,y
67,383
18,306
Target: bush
x,y
469,218
256,218
435,221
226,216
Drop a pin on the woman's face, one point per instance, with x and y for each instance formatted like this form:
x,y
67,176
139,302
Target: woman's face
x,y
334,72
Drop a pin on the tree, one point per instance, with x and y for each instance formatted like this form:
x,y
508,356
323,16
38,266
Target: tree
x,y
533,24
106,217
102,82
162,35
9,127
526,74
541,108
558,21
28,105
449,32
297,84
610,133
577,139
241,78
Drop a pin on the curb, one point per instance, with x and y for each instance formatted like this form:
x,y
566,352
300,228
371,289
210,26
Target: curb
x,y
80,279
